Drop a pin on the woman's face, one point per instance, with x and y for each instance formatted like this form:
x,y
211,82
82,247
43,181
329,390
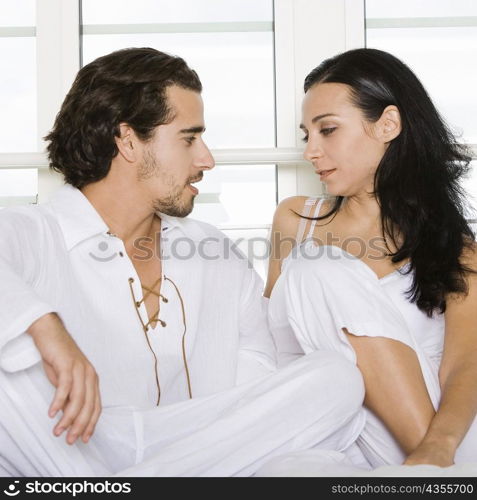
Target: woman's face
x,y
341,144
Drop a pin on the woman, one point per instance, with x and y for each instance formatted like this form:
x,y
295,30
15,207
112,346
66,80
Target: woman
x,y
386,273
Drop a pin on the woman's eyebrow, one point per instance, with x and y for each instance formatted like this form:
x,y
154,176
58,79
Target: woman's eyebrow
x,y
317,118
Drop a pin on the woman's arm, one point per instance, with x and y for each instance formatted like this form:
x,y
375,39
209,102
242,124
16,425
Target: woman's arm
x,y
458,379
282,238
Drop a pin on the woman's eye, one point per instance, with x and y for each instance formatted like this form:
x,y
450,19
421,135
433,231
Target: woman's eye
x,y
305,139
327,131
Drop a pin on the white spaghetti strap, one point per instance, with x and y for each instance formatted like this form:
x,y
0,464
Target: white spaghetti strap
x,y
306,213
313,222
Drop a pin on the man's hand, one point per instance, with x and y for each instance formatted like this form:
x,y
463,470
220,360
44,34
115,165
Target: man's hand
x,y
75,379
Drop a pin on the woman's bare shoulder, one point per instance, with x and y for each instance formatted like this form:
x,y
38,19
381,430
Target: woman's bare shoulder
x,y
293,204
288,211
287,214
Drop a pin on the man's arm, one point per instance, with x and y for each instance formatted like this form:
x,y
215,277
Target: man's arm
x,y
20,266
75,379
30,331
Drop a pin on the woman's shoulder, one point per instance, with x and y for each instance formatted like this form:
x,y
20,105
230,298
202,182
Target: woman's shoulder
x,y
294,205
287,214
291,205
289,210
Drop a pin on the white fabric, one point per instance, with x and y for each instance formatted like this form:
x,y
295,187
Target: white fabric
x,y
49,262
303,221
231,433
243,411
327,463
324,289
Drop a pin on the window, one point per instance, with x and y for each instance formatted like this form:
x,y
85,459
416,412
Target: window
x,y
252,57
18,78
18,130
438,40
231,46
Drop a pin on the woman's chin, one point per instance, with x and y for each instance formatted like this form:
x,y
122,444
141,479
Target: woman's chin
x,y
334,191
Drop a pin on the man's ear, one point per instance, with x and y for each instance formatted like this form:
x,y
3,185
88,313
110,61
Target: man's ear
x,y
127,143
389,125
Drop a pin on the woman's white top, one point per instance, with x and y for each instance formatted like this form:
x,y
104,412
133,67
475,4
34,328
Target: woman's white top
x,y
427,332
323,289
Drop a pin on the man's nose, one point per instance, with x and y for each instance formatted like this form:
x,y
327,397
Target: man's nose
x,y
205,161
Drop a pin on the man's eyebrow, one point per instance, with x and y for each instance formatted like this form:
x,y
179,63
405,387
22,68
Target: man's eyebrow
x,y
317,118
198,129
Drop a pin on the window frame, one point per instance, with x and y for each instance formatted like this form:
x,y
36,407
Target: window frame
x,y
305,31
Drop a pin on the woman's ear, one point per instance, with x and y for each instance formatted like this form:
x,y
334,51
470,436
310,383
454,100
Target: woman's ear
x,y
389,125
127,143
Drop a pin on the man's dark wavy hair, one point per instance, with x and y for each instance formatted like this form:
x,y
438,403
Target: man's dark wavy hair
x,y
417,181
126,86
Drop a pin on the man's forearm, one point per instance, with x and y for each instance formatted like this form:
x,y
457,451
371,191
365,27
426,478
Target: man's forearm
x,y
47,322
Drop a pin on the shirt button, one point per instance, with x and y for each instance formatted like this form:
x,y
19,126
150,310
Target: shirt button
x,y
121,254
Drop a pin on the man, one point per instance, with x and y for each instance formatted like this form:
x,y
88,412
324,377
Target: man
x,y
135,308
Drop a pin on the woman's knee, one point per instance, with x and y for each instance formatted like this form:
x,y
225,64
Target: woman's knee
x,y
332,373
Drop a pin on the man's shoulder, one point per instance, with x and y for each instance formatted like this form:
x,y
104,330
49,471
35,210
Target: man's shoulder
x,y
28,220
215,241
207,228
199,230
29,215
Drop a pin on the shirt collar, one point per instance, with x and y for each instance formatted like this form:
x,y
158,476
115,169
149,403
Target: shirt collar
x,y
79,220
185,226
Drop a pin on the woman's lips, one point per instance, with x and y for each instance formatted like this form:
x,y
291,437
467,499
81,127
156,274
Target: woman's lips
x,y
325,173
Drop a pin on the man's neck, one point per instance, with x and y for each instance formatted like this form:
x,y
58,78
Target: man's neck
x,y
123,209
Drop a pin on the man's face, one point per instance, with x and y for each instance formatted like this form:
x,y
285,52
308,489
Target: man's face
x,y
176,155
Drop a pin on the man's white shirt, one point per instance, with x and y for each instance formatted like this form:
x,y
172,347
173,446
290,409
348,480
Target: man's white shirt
x,y
60,257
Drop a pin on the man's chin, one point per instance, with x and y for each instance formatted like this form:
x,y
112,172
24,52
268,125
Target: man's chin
x,y
176,211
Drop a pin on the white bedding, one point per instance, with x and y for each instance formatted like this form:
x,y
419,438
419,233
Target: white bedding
x,y
323,463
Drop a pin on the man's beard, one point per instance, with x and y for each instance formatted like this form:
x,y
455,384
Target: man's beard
x,y
172,204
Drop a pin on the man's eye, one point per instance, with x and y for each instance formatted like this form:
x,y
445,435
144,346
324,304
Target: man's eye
x,y
190,140
305,139
327,131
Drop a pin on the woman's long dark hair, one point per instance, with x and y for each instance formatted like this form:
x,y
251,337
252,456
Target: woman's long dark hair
x,y
417,181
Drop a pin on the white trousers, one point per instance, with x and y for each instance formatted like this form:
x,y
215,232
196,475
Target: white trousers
x,y
333,292
313,402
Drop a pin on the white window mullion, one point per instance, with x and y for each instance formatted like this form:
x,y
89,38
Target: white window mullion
x,y
212,27
285,92
17,31
422,22
279,156
319,29
58,62
242,156
355,19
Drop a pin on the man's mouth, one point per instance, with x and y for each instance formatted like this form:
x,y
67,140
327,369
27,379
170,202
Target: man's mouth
x,y
194,190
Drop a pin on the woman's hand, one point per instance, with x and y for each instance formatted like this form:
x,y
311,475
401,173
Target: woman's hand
x,y
75,379
435,453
